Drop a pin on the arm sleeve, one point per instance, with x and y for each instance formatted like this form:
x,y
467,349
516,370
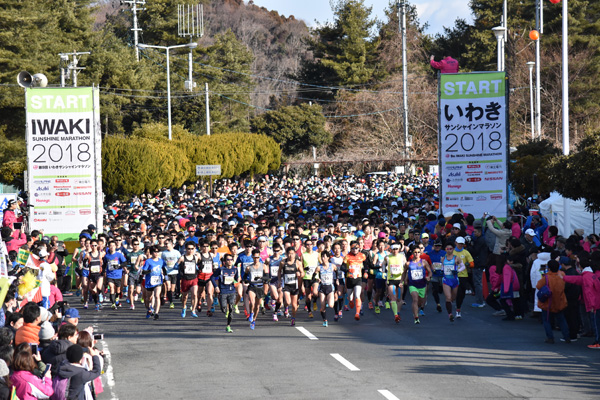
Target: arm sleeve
x,y
435,64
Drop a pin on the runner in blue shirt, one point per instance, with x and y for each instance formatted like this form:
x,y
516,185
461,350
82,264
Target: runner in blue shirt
x,y
226,278
153,271
114,261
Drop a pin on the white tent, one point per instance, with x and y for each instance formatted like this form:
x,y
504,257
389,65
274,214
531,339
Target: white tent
x,y
553,209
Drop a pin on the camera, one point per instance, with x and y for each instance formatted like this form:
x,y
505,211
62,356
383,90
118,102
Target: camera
x,y
99,336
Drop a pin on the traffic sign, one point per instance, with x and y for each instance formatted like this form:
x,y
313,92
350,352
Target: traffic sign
x,y
208,170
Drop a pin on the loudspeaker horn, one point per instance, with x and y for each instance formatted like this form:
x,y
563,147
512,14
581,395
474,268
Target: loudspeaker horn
x,y
24,79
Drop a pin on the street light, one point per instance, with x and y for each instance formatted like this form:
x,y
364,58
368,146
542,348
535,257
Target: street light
x,y
499,31
531,64
192,45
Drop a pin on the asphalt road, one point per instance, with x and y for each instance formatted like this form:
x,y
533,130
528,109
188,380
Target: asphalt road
x,y
477,357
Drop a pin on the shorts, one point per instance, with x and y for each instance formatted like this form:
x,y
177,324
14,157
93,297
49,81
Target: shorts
x,y
226,299
308,284
134,280
258,290
351,283
171,278
85,273
94,277
275,282
204,277
187,284
117,282
341,282
452,282
420,291
202,283
78,271
326,289
379,284
291,289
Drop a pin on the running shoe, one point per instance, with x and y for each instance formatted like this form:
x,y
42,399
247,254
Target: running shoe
x,y
78,292
335,318
113,306
346,308
148,314
417,321
377,310
315,306
370,305
132,307
172,305
280,313
194,314
209,314
183,313
380,303
397,318
267,306
362,312
451,317
252,325
387,305
310,314
594,346
357,317
293,322
118,303
135,297
251,317
262,310
101,297
128,301
275,317
305,308
500,313
458,314
246,314
438,307
477,305
421,312
325,323
228,330
85,306
97,307
403,303
236,309
518,317
351,304
155,316
141,300
340,314
82,300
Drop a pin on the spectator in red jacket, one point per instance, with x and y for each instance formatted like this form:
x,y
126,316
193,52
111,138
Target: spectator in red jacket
x,y
447,66
9,217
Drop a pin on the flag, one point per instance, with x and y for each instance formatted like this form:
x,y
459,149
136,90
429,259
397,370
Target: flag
x,y
23,256
4,285
34,296
33,262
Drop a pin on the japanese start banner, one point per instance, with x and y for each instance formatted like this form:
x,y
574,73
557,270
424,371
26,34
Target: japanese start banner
x,y
473,143
63,146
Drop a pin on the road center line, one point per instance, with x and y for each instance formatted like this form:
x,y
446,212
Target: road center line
x,y
307,333
388,395
345,362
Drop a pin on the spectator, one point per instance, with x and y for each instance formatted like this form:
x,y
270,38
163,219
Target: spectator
x,y
27,385
5,383
448,65
9,217
72,316
56,351
79,377
29,332
556,304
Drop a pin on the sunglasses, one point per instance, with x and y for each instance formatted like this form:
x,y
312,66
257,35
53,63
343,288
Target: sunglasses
x,y
190,248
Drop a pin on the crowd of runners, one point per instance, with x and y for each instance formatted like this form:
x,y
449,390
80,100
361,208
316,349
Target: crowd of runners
x,y
339,246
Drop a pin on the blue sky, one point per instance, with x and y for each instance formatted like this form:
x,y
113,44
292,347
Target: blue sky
x,y
438,13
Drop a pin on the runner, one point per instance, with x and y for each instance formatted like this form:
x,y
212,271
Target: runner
x,y
134,281
337,260
326,273
170,256
436,255
227,277
353,266
290,272
380,272
419,273
94,261
452,265
244,260
206,272
275,288
188,270
114,261
256,275
310,262
395,265
153,271
463,275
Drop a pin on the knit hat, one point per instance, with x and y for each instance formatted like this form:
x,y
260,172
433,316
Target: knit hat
x,y
3,368
74,353
46,331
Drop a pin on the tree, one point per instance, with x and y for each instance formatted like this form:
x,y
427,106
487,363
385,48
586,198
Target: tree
x,y
295,128
345,52
575,176
532,158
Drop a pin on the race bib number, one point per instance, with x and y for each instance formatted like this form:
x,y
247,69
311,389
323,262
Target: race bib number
x,y
416,274
396,269
155,280
170,263
112,265
134,260
448,269
274,271
355,272
310,272
190,268
327,279
289,278
228,280
256,275
95,269
207,267
438,266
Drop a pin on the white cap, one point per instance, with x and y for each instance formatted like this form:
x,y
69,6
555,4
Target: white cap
x,y
460,239
457,225
530,232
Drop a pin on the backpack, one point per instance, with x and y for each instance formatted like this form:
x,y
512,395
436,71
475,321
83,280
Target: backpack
x,y
544,294
60,387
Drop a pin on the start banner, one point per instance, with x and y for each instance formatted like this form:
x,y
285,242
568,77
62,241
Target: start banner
x,y
63,150
474,143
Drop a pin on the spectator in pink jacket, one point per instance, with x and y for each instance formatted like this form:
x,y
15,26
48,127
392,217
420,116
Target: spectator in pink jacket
x,y
447,66
13,239
9,218
27,385
590,284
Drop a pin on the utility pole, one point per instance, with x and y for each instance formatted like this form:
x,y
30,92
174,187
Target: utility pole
x,y
207,110
190,23
539,26
134,8
402,17
71,67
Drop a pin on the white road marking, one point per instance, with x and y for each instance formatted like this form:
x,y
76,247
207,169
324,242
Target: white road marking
x,y
388,395
345,362
110,378
307,333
